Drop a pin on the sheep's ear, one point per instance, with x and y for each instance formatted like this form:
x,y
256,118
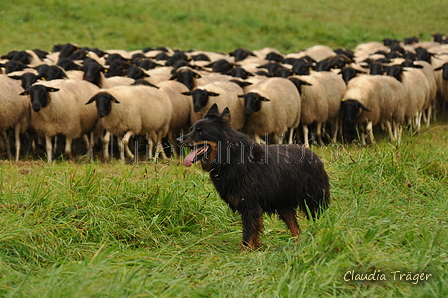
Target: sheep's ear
x,y
212,93
113,99
52,89
262,98
24,93
212,112
187,93
91,100
242,95
363,107
197,76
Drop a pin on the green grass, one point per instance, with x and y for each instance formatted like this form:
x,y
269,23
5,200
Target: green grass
x,y
157,230
288,25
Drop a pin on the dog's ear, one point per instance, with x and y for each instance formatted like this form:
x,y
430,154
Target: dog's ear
x,y
213,112
225,117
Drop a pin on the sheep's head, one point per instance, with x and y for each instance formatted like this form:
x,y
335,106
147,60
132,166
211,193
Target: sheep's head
x,y
252,102
200,98
103,103
39,95
350,109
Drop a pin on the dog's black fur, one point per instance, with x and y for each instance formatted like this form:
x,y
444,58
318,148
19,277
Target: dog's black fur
x,y
255,179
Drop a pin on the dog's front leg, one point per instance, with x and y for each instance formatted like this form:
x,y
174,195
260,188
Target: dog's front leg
x,y
252,226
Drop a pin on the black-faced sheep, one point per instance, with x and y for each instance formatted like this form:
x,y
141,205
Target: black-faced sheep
x,y
181,108
133,110
370,100
14,112
321,100
417,92
272,106
224,94
59,108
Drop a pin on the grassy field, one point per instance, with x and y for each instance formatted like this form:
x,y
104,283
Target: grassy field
x,y
288,26
78,229
160,230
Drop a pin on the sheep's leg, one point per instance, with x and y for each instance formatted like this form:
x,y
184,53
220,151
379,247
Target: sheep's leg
x,y
305,136
389,130
363,135
279,138
106,140
6,142
68,147
49,148
160,142
334,134
319,133
369,131
428,116
125,143
291,135
17,136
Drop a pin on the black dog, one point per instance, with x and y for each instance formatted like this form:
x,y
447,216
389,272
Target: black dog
x,y
254,178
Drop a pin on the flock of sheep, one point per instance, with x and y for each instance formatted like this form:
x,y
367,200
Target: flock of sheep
x,y
100,96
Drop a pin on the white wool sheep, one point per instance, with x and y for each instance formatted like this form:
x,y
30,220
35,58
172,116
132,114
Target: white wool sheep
x,y
59,108
224,94
428,70
272,106
373,99
317,53
14,112
181,108
133,110
321,101
417,92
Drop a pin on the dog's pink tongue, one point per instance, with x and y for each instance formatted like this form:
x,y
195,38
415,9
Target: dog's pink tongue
x,y
190,157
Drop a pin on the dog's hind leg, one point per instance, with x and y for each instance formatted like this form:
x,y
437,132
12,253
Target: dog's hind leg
x,y
289,217
252,227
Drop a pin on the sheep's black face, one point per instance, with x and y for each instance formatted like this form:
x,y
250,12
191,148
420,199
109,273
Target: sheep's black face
x,y
200,98
103,103
92,73
39,96
252,103
350,109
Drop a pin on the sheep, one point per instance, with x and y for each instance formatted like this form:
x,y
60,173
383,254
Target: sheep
x,y
441,74
224,94
417,92
133,110
272,106
14,112
317,53
58,108
94,73
369,100
428,70
320,101
181,107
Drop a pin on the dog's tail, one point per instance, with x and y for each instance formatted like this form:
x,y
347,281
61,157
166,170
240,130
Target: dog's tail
x,y
318,198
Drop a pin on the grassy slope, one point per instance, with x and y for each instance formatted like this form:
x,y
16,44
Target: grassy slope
x,y
288,25
95,230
